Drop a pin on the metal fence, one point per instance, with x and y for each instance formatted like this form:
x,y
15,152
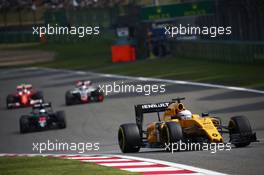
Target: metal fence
x,y
246,44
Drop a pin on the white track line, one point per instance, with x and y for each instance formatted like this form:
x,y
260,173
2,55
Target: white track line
x,y
151,169
126,164
187,167
89,157
108,160
168,166
158,80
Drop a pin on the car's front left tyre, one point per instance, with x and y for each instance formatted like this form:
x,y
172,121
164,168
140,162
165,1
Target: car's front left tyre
x,y
68,98
129,138
24,124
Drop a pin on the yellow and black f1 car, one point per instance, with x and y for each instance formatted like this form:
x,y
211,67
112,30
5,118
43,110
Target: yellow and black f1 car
x,y
179,124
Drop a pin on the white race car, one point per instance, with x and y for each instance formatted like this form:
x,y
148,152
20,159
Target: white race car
x,y
83,92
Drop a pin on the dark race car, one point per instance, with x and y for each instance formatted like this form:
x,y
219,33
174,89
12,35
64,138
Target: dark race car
x,y
25,96
84,92
42,117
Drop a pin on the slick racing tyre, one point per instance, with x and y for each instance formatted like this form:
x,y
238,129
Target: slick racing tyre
x,y
98,95
68,98
171,134
9,100
129,138
241,126
61,121
24,124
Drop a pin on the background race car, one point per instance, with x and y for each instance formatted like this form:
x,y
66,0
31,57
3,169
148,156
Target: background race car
x,y
179,124
42,117
84,92
25,96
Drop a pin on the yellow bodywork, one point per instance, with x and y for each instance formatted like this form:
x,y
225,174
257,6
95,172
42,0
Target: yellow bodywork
x,y
196,127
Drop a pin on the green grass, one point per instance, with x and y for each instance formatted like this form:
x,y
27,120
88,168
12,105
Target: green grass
x,y
18,46
91,55
244,75
53,166
96,56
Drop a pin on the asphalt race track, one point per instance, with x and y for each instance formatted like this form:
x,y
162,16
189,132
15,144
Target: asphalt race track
x,y
99,122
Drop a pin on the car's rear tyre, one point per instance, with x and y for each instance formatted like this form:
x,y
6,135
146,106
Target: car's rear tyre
x,y
9,99
129,138
24,124
171,134
240,125
61,121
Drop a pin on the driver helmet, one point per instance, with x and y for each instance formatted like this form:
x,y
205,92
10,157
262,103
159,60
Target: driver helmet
x,y
42,111
185,114
25,89
83,87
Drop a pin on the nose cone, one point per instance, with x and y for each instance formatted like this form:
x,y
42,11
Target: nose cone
x,y
24,99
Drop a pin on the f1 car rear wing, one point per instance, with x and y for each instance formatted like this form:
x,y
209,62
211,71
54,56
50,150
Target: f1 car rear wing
x,y
149,108
83,82
42,105
152,107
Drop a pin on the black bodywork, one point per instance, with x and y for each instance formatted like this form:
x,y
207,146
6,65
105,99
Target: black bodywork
x,y
37,120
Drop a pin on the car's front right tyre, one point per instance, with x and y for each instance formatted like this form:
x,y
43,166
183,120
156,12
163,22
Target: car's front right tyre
x,y
68,98
61,121
9,99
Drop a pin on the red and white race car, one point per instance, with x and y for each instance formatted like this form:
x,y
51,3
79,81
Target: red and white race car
x,y
83,92
24,96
